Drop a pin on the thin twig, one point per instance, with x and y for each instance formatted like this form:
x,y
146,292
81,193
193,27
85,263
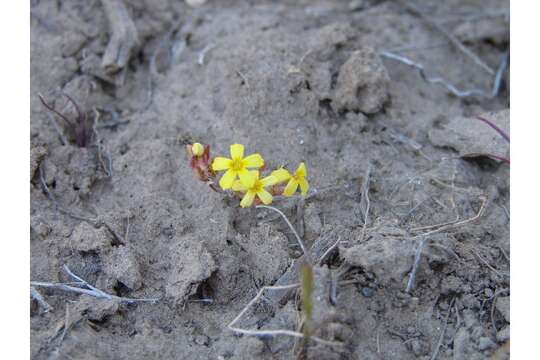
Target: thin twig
x,y
488,265
271,333
446,226
39,298
202,54
107,167
59,132
330,249
441,338
494,127
416,265
450,87
53,110
90,290
412,8
364,202
300,242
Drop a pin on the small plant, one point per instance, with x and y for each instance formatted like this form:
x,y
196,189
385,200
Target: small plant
x,y
242,175
78,130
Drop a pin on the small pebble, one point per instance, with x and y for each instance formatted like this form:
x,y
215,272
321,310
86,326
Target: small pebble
x,y
367,292
485,343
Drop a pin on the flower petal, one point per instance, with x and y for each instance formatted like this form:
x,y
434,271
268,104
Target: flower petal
x,y
291,187
237,151
269,181
253,161
247,178
237,186
301,171
304,186
247,200
281,174
221,163
227,179
265,197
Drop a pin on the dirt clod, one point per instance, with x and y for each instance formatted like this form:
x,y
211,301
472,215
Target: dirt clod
x,y
86,237
191,264
362,83
121,264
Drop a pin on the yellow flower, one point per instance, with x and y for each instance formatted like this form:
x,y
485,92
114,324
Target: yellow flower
x,y
298,178
197,149
257,188
237,165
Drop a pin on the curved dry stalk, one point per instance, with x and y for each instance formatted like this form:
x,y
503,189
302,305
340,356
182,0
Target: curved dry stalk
x,y
87,289
300,242
277,332
449,225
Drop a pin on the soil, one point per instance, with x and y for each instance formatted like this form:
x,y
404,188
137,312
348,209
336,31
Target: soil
x,y
294,81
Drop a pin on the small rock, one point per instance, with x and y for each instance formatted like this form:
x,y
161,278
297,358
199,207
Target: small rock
x,y
95,309
39,227
362,83
503,334
485,343
357,5
87,238
327,39
503,306
201,339
121,264
418,347
36,156
468,135
191,264
389,259
367,292
450,285
72,42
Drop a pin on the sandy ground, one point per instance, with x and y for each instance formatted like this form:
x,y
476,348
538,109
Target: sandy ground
x,y
398,169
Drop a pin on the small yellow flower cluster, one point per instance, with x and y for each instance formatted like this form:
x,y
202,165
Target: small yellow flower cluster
x,y
239,178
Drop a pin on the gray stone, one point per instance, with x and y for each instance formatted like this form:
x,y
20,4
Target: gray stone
x,y
503,306
485,343
87,238
362,83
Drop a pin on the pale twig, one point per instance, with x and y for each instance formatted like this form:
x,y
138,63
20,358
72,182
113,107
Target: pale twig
x,y
446,226
107,167
203,52
364,202
441,338
66,323
450,87
416,265
34,294
412,8
300,242
330,249
123,37
90,290
271,333
488,265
